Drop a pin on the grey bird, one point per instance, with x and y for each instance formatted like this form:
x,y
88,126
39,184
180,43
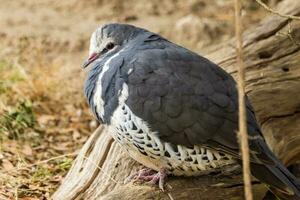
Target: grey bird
x,y
173,110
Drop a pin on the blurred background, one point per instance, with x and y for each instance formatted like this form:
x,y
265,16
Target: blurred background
x,y
44,119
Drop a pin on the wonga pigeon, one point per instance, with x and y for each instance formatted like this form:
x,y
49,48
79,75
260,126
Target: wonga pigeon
x,y
174,111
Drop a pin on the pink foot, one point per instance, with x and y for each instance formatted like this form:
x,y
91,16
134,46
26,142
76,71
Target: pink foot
x,y
141,173
151,176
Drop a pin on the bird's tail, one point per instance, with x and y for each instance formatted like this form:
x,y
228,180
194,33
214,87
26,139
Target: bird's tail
x,y
276,176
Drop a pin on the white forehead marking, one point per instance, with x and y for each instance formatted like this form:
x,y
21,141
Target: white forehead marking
x,y
98,41
93,43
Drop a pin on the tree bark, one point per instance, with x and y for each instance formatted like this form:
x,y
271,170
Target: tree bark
x,y
272,60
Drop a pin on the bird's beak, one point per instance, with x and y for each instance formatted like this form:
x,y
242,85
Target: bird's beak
x,y
91,59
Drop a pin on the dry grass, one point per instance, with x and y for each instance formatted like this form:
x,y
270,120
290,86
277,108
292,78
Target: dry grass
x,y
39,120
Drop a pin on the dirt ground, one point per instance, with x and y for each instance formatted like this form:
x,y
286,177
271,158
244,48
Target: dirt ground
x,y
44,119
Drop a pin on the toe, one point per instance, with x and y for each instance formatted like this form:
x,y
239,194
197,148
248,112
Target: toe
x,y
154,179
162,178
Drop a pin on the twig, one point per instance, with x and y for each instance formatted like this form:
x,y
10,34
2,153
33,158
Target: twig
x,y
170,196
53,158
288,34
262,4
169,193
40,162
16,193
243,135
101,170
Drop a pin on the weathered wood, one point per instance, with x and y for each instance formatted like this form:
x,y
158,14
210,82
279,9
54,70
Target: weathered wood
x,y
273,84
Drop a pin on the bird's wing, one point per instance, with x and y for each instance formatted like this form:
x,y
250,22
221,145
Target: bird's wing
x,y
187,99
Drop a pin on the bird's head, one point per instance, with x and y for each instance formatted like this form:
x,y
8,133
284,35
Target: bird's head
x,y
109,39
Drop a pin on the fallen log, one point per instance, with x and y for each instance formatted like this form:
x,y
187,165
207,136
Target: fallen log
x,y
272,60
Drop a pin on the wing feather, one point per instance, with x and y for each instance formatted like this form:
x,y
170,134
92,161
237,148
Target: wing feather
x,y
187,99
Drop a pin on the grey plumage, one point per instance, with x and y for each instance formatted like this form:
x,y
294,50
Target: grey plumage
x,y
184,99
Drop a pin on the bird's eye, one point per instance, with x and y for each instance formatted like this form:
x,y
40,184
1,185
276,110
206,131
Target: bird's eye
x,y
110,46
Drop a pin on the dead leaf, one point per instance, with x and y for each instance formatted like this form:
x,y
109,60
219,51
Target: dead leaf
x,y
27,150
44,119
63,146
7,165
10,146
28,198
76,135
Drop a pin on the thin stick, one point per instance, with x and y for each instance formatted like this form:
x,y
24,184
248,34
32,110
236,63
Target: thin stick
x,y
289,34
243,135
40,162
101,169
276,12
170,196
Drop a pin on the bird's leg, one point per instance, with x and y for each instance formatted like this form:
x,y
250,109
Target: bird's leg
x,y
140,175
151,176
159,177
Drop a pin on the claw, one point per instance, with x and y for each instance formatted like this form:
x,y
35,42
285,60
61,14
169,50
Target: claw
x,y
145,172
151,176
